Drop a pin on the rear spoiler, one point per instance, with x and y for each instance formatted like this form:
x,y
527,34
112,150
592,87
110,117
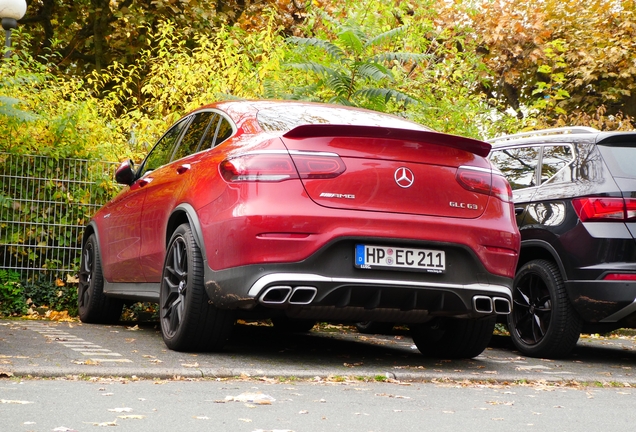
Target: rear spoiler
x,y
477,147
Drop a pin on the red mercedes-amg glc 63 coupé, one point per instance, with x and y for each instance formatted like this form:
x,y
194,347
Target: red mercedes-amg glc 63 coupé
x,y
304,212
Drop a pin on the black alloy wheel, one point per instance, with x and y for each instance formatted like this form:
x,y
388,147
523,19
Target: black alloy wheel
x,y
542,323
188,320
93,306
175,287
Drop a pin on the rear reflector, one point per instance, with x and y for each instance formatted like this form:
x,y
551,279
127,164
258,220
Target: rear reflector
x,y
279,166
607,209
484,182
620,276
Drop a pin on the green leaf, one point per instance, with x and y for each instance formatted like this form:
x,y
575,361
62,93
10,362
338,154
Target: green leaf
x,y
332,49
402,57
374,71
8,108
386,95
546,69
383,37
351,41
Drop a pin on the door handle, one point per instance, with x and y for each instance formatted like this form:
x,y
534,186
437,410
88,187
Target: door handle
x,y
144,181
183,168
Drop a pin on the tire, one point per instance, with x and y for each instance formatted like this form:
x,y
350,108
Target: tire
x,y
542,323
93,306
452,337
189,322
374,327
285,324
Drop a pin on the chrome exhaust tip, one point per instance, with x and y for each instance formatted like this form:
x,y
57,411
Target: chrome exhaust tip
x,y
501,305
303,295
276,295
482,304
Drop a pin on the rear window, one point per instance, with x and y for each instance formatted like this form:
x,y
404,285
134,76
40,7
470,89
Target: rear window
x,y
620,159
282,118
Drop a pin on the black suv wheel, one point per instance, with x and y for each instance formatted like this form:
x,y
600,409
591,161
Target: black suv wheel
x,y
542,322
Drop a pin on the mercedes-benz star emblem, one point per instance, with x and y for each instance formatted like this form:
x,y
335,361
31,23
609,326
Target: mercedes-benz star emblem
x,y
404,177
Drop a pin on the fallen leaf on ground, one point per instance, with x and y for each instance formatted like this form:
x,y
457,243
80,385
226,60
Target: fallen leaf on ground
x,y
119,410
113,423
256,398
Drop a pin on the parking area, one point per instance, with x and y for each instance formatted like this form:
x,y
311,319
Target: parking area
x,y
48,349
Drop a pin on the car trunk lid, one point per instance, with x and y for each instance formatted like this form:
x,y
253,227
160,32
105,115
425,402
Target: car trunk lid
x,y
394,170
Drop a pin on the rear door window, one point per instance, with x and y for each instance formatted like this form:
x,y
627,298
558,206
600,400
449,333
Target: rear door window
x,y
556,163
224,131
193,137
518,164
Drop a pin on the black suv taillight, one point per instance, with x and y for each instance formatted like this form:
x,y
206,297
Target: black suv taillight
x,y
605,209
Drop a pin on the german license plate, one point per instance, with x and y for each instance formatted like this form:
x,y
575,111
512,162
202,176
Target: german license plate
x,y
399,258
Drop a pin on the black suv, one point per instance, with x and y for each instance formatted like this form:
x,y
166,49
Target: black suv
x,y
575,201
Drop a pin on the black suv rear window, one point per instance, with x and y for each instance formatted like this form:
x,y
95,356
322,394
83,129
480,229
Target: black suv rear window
x,y
620,159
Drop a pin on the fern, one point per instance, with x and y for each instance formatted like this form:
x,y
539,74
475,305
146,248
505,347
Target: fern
x,y
352,69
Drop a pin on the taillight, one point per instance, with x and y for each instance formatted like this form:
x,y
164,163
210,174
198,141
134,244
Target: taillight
x,y
608,209
501,188
484,182
318,166
279,166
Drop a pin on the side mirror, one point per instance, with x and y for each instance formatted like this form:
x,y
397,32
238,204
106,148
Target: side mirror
x,y
125,173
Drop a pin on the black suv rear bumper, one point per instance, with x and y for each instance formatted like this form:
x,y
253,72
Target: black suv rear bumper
x,y
603,301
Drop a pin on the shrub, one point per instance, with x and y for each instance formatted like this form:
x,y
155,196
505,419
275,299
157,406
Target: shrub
x,y
12,298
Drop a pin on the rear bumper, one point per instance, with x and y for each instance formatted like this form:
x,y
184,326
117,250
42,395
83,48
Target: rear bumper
x,y
603,301
327,286
295,230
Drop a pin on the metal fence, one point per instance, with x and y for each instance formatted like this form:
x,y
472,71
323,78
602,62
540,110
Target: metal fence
x,y
45,204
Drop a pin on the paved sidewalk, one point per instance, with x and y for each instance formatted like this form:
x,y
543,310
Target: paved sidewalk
x,y
53,349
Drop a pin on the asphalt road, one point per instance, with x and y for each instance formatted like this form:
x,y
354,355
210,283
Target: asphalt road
x,y
67,377
307,406
58,349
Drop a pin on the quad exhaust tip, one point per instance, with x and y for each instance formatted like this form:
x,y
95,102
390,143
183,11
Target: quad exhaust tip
x,y
280,295
487,305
